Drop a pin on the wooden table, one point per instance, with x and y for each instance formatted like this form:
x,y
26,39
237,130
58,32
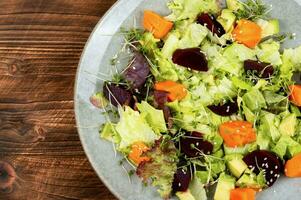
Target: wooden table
x,y
40,45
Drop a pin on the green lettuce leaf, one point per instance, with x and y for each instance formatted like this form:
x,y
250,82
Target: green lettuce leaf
x,y
238,83
109,133
189,9
254,100
263,140
239,52
296,58
250,116
170,45
154,117
193,36
148,43
189,115
166,69
240,150
215,139
269,52
202,176
273,98
251,180
230,59
269,124
291,60
217,167
286,146
276,103
161,167
133,127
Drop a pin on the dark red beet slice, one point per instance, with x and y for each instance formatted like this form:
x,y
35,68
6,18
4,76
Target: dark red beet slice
x,y
264,70
168,116
211,23
117,95
160,98
226,109
266,161
181,180
191,58
193,145
137,71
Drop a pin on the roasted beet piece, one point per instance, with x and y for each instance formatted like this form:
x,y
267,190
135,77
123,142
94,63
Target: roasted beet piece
x,y
226,109
191,58
193,145
168,116
160,98
137,71
211,23
266,161
117,95
181,180
264,70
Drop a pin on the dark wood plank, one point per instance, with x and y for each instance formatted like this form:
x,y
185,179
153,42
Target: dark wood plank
x,y
40,45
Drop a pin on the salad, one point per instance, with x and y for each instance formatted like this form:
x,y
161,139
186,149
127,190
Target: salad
x,y
207,107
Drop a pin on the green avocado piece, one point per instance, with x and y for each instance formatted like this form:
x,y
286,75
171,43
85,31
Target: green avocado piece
x,y
288,125
236,165
225,184
269,28
234,5
227,19
185,195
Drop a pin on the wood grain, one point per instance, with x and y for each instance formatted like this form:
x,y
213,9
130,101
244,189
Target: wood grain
x,y
40,45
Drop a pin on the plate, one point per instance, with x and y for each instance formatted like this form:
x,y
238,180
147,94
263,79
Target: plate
x,y
95,66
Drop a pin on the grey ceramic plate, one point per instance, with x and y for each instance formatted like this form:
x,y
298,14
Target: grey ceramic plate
x,y
100,48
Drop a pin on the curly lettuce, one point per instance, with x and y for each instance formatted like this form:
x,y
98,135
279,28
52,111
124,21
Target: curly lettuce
x,y
161,167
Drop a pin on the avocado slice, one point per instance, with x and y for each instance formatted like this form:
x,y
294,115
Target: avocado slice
x,y
269,28
234,5
224,186
227,20
288,125
185,195
236,164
